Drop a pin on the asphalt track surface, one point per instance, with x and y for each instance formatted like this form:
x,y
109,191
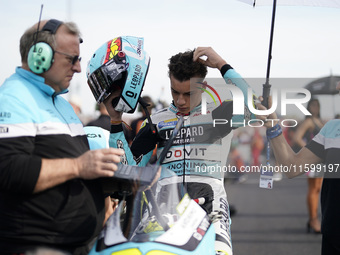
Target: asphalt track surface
x,y
271,222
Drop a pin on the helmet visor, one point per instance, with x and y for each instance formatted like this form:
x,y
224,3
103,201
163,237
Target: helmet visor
x,y
103,80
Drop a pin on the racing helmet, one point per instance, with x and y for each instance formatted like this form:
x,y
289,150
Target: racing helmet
x,y
120,63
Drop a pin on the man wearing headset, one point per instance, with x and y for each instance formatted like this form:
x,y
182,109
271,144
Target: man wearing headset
x,y
49,195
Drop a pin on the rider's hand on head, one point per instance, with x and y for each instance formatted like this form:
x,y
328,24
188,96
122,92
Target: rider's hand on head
x,y
212,60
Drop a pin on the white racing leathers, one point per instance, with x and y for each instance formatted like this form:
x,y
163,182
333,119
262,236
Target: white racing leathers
x,y
198,155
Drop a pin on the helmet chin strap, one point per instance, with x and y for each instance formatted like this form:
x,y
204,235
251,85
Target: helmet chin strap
x,y
145,105
115,101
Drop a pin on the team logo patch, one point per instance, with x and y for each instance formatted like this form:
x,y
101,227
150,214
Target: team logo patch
x,y
3,129
167,123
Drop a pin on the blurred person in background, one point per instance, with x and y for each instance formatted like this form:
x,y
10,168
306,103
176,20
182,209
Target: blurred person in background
x,y
103,119
75,101
306,131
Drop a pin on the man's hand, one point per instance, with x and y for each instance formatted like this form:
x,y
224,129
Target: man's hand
x,y
90,165
98,163
269,120
213,59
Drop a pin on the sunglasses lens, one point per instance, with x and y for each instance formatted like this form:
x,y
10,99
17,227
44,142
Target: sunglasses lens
x,y
75,59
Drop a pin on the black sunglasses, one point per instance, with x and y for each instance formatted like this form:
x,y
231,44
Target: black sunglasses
x,y
73,59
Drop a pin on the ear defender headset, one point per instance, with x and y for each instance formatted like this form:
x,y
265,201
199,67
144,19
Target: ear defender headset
x,y
40,55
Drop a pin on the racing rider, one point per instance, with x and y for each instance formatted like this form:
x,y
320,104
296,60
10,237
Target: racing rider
x,y
198,145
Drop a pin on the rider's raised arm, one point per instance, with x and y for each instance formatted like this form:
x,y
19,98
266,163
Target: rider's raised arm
x,y
295,163
237,85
